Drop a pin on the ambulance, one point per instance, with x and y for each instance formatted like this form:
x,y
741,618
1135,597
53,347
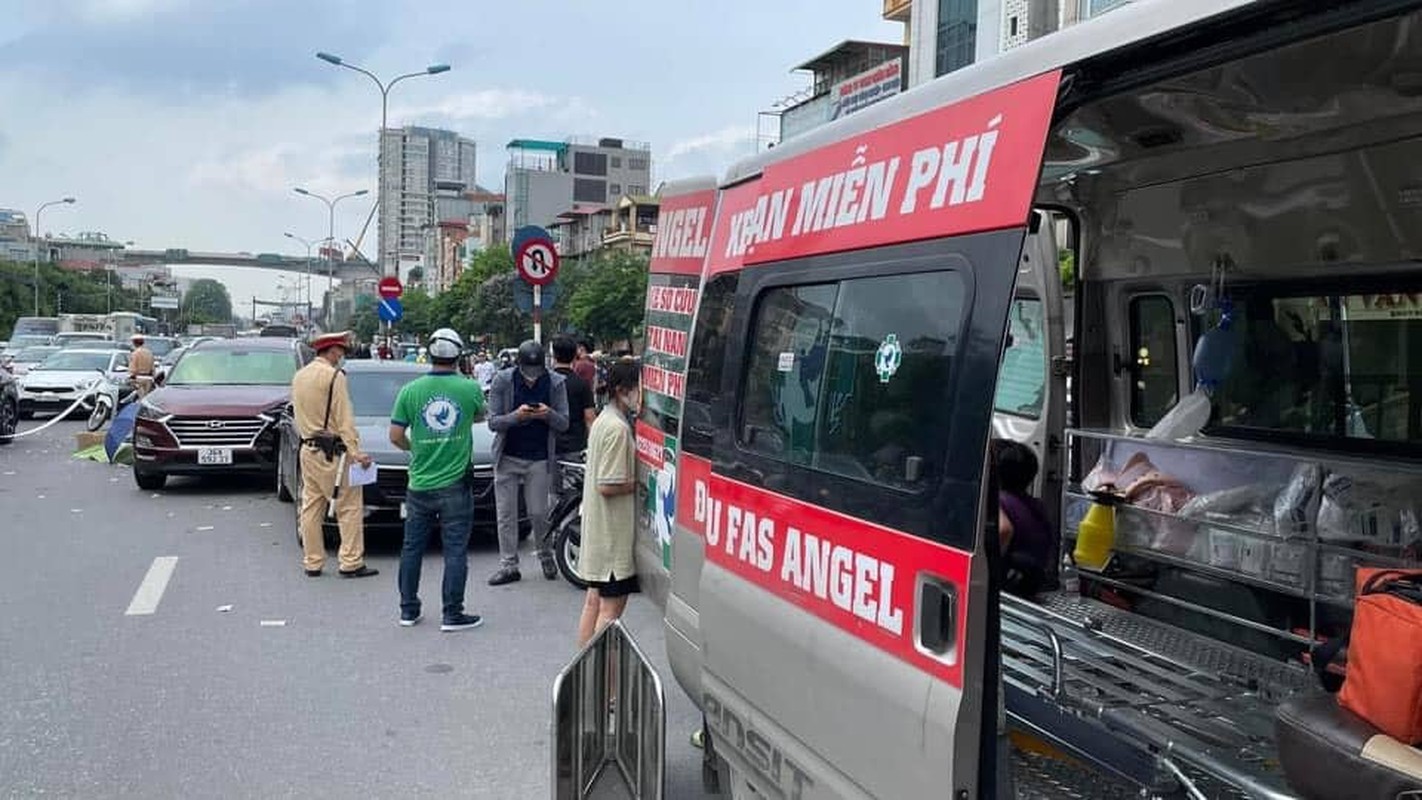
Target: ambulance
x,y
1225,197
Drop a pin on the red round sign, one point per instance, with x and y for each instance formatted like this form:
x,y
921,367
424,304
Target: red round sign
x,y
537,261
390,287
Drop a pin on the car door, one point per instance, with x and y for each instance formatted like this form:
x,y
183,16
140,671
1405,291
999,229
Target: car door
x,y
846,613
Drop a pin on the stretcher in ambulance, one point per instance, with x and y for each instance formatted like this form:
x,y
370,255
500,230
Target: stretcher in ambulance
x,y
1225,193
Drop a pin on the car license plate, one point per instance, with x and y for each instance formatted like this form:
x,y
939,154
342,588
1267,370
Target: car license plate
x,y
215,455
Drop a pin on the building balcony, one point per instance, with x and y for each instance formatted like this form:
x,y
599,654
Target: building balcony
x,y
897,10
621,237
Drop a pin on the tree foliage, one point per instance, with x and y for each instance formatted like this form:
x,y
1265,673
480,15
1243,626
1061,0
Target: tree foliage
x,y
609,299
602,297
206,301
62,291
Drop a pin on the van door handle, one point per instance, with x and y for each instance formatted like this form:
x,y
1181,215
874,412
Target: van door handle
x,y
937,617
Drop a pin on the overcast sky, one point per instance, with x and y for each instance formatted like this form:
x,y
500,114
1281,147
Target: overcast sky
x,y
186,123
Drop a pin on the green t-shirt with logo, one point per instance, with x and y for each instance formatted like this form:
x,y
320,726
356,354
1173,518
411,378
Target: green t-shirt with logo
x,y
438,412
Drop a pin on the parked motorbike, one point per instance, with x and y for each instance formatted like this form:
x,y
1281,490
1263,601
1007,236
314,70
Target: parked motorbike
x,y
565,521
111,397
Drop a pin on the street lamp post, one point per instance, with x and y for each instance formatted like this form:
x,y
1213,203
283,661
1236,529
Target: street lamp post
x,y
308,244
384,87
328,306
38,211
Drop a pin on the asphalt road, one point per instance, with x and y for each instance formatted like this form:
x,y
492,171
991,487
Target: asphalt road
x,y
194,702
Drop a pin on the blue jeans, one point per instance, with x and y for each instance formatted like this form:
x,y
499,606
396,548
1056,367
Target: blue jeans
x,y
453,508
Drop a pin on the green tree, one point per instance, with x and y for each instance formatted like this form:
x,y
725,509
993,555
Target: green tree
x,y
608,300
61,291
206,301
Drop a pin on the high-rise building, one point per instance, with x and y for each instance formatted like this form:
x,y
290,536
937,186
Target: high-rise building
x,y
422,167
546,178
15,244
946,35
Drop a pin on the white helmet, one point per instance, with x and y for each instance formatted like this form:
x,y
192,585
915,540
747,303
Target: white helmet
x,y
445,345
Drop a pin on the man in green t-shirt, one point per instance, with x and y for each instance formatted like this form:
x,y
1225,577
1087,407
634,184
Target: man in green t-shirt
x,y
433,419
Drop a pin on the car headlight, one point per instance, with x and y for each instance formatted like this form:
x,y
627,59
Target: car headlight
x,y
147,409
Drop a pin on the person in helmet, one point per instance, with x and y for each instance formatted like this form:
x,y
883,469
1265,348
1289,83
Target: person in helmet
x,y
528,408
433,419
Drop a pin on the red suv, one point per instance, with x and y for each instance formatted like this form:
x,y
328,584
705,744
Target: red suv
x,y
217,410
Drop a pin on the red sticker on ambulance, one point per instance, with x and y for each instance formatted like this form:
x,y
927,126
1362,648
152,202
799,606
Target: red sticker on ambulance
x,y
683,233
964,168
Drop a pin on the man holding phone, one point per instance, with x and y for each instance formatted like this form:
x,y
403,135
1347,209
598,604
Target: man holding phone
x,y
528,408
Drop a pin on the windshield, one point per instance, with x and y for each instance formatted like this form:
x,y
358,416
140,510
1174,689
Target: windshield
x,y
76,361
160,347
373,393
234,368
34,355
29,340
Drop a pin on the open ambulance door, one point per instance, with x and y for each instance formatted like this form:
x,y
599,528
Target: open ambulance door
x,y
836,478
1030,403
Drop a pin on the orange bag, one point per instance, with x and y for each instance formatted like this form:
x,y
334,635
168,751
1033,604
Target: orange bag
x,y
1384,683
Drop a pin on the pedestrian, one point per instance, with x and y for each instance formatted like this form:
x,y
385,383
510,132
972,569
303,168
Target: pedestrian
x,y
528,407
606,559
1025,531
584,365
433,419
325,421
582,408
484,370
140,365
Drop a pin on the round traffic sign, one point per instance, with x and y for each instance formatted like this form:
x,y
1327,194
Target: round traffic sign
x,y
537,261
390,287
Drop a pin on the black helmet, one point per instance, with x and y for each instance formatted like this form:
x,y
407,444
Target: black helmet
x,y
531,362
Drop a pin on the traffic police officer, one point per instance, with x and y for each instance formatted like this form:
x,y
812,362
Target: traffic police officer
x,y
325,420
140,365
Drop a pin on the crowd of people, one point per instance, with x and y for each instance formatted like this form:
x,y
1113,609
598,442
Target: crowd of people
x,y
540,416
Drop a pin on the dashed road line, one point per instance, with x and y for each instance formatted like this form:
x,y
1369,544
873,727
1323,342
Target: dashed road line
x,y
150,591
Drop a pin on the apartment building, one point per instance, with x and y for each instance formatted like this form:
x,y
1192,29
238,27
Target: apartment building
x,y
946,35
420,169
546,178
849,76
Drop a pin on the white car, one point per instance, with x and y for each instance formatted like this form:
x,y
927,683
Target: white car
x,y
53,385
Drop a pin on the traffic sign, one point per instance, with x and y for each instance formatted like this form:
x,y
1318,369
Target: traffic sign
x,y
390,287
537,261
525,233
390,309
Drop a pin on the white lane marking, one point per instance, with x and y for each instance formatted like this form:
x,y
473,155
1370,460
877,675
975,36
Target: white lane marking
x,y
150,591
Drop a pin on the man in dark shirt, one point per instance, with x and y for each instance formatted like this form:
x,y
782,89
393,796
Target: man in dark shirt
x,y
582,409
528,408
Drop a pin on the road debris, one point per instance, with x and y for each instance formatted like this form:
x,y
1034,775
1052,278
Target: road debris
x,y
273,623
225,609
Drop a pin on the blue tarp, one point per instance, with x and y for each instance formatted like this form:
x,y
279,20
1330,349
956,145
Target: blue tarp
x,y
120,429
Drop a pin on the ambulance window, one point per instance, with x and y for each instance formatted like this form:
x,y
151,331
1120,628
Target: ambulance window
x,y
786,371
1022,381
704,412
1153,362
852,378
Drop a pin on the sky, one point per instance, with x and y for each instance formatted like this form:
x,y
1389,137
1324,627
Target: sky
x,y
187,123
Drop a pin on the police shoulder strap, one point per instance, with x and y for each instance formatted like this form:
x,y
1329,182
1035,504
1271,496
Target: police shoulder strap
x,y
330,393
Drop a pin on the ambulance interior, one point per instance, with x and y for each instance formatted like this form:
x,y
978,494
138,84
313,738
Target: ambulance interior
x,y
1245,402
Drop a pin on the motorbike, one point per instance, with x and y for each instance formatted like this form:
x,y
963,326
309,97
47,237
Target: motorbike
x,y
565,521
110,398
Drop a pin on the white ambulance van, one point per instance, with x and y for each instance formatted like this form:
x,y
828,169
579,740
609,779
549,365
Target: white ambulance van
x,y
838,329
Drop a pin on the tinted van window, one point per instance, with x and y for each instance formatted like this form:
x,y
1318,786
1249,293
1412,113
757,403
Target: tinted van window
x,y
852,378
705,407
1154,364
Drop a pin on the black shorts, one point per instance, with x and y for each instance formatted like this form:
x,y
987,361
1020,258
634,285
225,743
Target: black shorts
x,y
617,587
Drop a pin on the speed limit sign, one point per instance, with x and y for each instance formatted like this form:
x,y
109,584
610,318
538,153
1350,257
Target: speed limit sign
x,y
537,261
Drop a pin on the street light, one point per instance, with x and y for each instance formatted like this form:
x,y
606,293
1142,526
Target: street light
x,y
38,211
308,244
384,87
331,239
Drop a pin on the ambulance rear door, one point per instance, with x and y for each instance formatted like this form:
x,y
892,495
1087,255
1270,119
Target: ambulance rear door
x,y
853,311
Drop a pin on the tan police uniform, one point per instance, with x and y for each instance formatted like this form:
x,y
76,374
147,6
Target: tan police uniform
x,y
140,369
319,475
